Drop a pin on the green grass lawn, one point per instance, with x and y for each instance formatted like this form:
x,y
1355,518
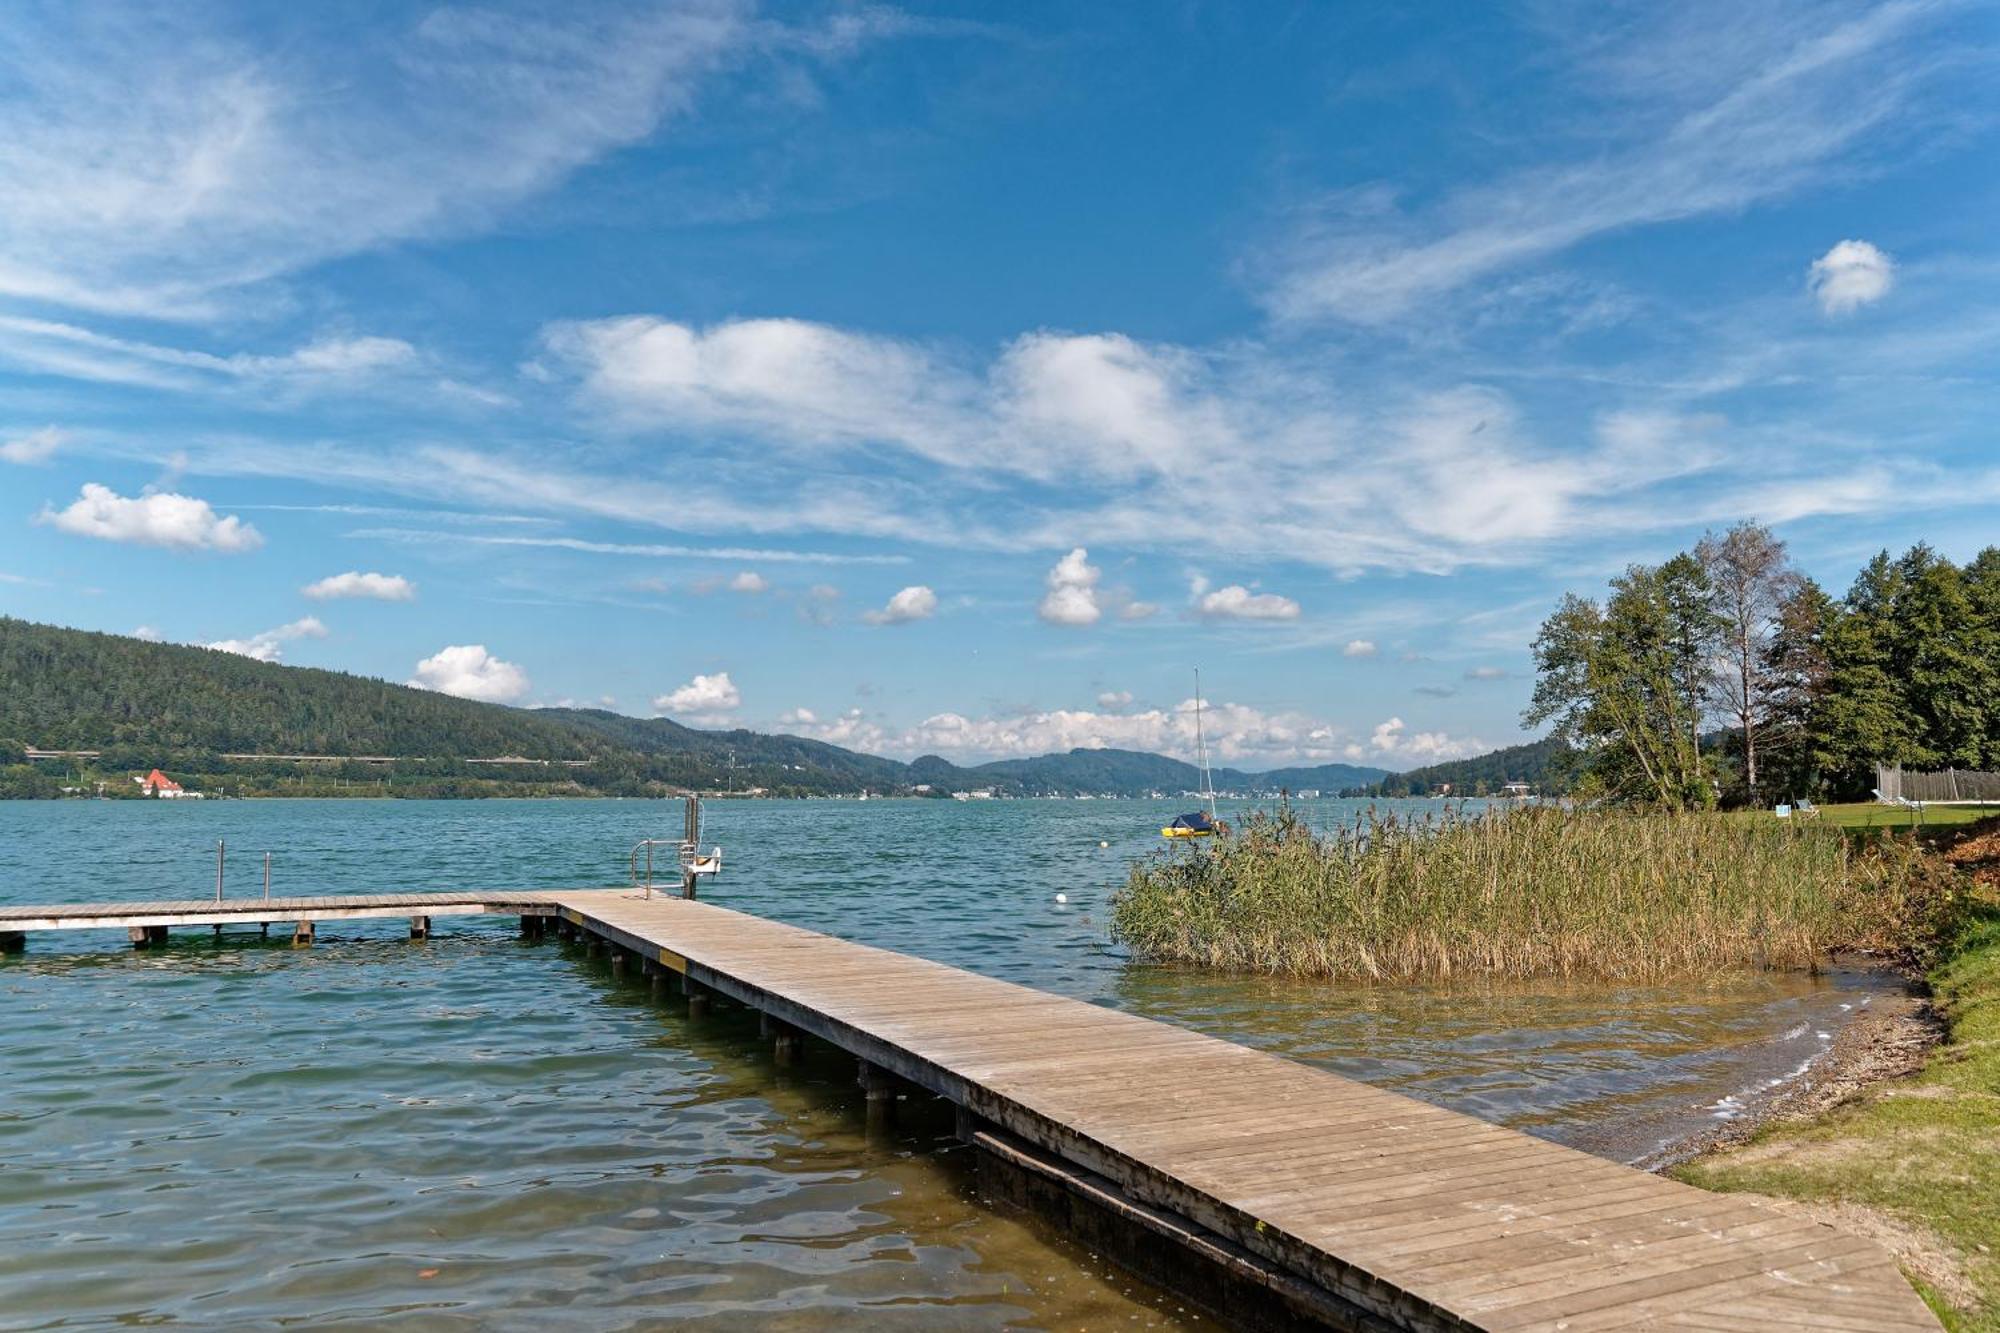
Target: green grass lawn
x,y
1870,814
1925,1151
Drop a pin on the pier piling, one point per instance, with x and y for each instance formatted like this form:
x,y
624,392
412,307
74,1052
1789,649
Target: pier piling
x,y
1274,1192
420,927
879,1087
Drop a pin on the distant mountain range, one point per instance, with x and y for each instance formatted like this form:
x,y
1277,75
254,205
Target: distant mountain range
x,y
137,704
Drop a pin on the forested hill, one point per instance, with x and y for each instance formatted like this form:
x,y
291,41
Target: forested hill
x,y
1536,763
64,689
142,704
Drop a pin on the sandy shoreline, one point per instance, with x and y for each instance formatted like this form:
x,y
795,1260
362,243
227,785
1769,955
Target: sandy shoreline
x,y
1888,1040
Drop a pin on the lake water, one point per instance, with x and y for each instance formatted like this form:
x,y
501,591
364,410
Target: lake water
x,y
475,1131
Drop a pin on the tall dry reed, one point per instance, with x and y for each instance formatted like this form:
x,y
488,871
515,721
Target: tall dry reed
x,y
1527,892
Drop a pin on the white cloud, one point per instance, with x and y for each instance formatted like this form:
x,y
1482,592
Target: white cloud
x,y
749,582
37,446
1850,275
156,518
1359,648
1072,594
1115,699
913,603
470,672
1237,602
148,634
268,645
1486,673
354,583
1390,743
704,697
1047,405
1235,733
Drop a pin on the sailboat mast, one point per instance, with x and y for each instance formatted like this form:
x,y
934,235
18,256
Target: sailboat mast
x,y
1201,747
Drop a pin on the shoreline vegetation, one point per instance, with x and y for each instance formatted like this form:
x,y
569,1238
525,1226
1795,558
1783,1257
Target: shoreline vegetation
x,y
1901,1144
1535,892
1913,1160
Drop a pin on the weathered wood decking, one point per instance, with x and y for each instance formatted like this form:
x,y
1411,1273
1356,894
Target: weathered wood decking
x,y
1398,1214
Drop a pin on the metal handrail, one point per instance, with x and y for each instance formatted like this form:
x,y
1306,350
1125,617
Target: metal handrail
x,y
687,854
647,845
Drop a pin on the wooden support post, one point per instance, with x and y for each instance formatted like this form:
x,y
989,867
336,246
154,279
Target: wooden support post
x,y
879,1086
420,927
145,937
964,1123
302,935
596,944
697,997
618,956
787,1045
531,926
264,929
784,1038
218,932
13,941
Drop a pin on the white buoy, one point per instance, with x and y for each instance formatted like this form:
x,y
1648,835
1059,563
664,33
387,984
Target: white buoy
x,y
1062,897
1102,843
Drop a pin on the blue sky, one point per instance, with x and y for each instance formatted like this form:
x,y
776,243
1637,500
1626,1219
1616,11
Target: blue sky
x,y
959,378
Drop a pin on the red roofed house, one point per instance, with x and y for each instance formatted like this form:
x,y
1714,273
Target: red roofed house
x,y
159,784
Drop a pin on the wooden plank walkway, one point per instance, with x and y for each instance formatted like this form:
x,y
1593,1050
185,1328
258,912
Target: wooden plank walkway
x,y
1406,1215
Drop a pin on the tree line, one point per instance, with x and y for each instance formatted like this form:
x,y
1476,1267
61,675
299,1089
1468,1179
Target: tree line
x,y
1726,675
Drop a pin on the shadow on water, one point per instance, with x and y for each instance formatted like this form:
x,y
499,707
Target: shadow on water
x,y
477,1131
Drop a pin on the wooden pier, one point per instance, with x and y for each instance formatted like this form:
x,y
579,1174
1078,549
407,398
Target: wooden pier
x,y
1327,1200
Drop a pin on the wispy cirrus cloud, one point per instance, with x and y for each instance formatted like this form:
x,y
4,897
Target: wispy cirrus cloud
x,y
1705,109
160,160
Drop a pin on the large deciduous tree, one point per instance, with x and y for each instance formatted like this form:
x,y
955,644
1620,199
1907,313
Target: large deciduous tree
x,y
1750,578
1623,683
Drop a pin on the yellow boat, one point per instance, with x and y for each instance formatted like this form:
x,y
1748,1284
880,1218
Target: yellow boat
x,y
1197,825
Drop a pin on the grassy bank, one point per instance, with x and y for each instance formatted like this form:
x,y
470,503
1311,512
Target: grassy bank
x,y
1531,892
1923,1152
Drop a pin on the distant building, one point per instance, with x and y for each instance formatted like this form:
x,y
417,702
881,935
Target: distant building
x,y
159,784
1518,791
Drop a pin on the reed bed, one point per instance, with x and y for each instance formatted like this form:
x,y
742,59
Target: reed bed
x,y
1531,892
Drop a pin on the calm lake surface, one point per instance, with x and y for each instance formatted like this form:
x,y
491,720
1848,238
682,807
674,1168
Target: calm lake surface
x,y
476,1131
